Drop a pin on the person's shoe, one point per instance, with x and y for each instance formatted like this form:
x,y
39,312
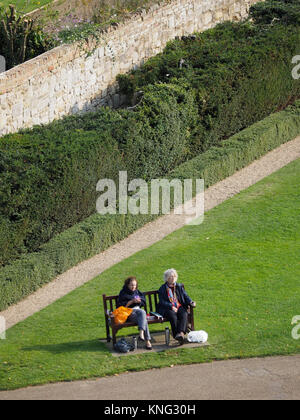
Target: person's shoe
x,y
141,339
148,345
179,337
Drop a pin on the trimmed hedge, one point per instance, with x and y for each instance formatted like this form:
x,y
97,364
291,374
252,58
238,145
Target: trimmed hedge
x,y
44,188
243,148
25,276
97,233
48,175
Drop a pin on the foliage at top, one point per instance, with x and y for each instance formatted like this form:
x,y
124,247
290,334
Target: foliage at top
x,y
21,38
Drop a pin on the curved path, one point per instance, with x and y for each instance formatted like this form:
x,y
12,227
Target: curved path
x,y
149,234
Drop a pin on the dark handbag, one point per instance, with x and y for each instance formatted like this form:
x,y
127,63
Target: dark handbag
x,y
123,346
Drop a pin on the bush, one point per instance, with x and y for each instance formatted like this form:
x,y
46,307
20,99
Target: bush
x,y
49,183
159,131
274,11
11,243
24,276
243,148
49,174
239,73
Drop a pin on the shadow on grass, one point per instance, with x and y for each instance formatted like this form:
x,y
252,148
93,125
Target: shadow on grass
x,y
71,347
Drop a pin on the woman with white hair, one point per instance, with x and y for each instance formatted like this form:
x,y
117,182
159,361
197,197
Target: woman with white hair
x,y
174,303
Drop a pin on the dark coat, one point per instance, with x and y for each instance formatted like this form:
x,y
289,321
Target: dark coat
x,y
126,295
164,302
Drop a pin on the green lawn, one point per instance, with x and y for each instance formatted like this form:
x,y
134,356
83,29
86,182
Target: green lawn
x,y
241,265
25,5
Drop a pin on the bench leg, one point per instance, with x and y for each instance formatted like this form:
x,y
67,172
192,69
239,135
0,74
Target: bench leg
x,y
108,337
167,336
114,338
191,319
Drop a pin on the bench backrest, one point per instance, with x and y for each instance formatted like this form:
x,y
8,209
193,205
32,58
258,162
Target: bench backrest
x,y
110,302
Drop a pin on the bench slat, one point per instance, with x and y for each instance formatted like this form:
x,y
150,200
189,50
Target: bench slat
x,y
150,303
156,301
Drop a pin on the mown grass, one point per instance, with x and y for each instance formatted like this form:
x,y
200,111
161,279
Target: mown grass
x,y
25,6
241,265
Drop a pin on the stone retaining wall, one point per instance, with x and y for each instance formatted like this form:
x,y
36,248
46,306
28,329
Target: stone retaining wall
x,y
64,81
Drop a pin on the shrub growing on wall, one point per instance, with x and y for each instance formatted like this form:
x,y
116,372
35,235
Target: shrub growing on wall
x,y
21,38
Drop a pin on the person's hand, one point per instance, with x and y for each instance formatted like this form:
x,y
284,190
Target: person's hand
x,y
193,304
137,300
174,309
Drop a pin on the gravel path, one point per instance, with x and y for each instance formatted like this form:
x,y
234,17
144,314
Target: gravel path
x,y
149,234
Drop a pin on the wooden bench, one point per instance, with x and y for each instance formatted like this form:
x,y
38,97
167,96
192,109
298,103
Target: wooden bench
x,y
110,304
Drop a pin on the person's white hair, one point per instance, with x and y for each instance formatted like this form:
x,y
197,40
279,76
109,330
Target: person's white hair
x,y
169,273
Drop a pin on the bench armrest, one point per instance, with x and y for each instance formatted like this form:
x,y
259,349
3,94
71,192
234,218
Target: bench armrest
x,y
110,317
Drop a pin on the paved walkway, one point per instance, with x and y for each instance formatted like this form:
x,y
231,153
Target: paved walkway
x,y
272,378
149,234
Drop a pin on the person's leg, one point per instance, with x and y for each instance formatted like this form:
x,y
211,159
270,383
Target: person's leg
x,y
182,317
172,318
141,318
143,323
147,332
132,317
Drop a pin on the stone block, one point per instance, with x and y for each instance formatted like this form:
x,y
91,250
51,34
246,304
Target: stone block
x,y
17,110
207,18
3,100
